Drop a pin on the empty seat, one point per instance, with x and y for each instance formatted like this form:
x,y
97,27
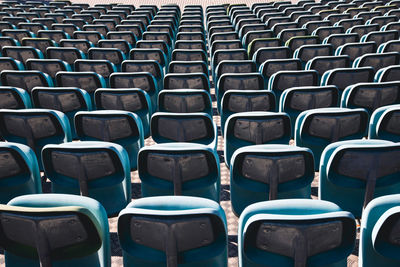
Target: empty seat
x,y
81,44
355,50
19,171
92,36
196,44
77,225
21,53
48,66
225,45
25,79
194,226
343,77
120,127
318,128
378,230
388,74
188,67
14,98
288,33
99,170
35,128
119,44
189,55
32,27
384,123
324,32
68,100
151,66
186,81
298,41
8,41
264,54
130,99
9,63
100,66
251,35
296,232
142,80
234,66
260,43
149,54
325,63
340,39
380,37
382,20
17,34
354,172
283,80
362,30
308,52
55,35
249,128
67,28
269,172
371,95
390,46
377,60
67,54
184,127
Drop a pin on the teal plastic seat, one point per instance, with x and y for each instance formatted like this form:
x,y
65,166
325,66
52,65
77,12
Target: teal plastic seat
x,y
48,66
14,98
114,55
179,169
384,124
234,66
390,46
238,81
298,99
92,36
68,100
188,66
195,80
319,127
193,232
38,43
354,172
196,44
102,67
185,101
255,128
184,127
340,39
378,242
9,63
269,67
287,33
99,170
234,101
251,35
148,65
326,31
269,172
226,54
295,232
377,60
154,48
371,95
81,44
308,52
67,54
297,41
55,35
25,79
260,43
326,63
282,80
116,126
388,74
77,227
19,173
141,80
264,54
380,37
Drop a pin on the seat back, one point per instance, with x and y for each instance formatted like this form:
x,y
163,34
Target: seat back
x,y
25,79
383,124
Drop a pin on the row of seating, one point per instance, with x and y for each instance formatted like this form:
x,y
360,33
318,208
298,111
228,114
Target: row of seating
x,y
192,231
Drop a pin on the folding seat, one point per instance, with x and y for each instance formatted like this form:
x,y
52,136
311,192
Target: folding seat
x,y
286,34
17,34
134,28
298,41
187,81
343,77
377,60
9,63
318,128
324,32
261,43
271,231
121,127
67,54
99,170
269,67
382,20
55,35
251,35
260,173
35,128
371,95
14,98
81,44
197,128
380,37
308,52
388,74
355,50
264,54
256,127
340,39
358,171
283,80
79,224
325,63
142,80
68,28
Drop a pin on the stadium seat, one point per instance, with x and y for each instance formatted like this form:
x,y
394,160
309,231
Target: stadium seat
x,y
81,44
337,40
282,80
295,232
388,74
67,54
8,41
14,98
184,127
326,31
195,227
120,44
234,66
326,63
298,41
9,63
238,81
68,100
186,81
188,67
77,225
377,60
17,34
19,171
295,100
99,170
114,55
380,37
67,28
390,46
35,128
190,45
55,35
383,124
307,52
382,20
149,54
48,66
354,172
21,53
234,101
32,27
151,66
121,127
256,127
129,99
141,80
102,67
319,127
355,50
185,101
93,36
25,79
288,33
264,54
189,55
251,35
269,172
